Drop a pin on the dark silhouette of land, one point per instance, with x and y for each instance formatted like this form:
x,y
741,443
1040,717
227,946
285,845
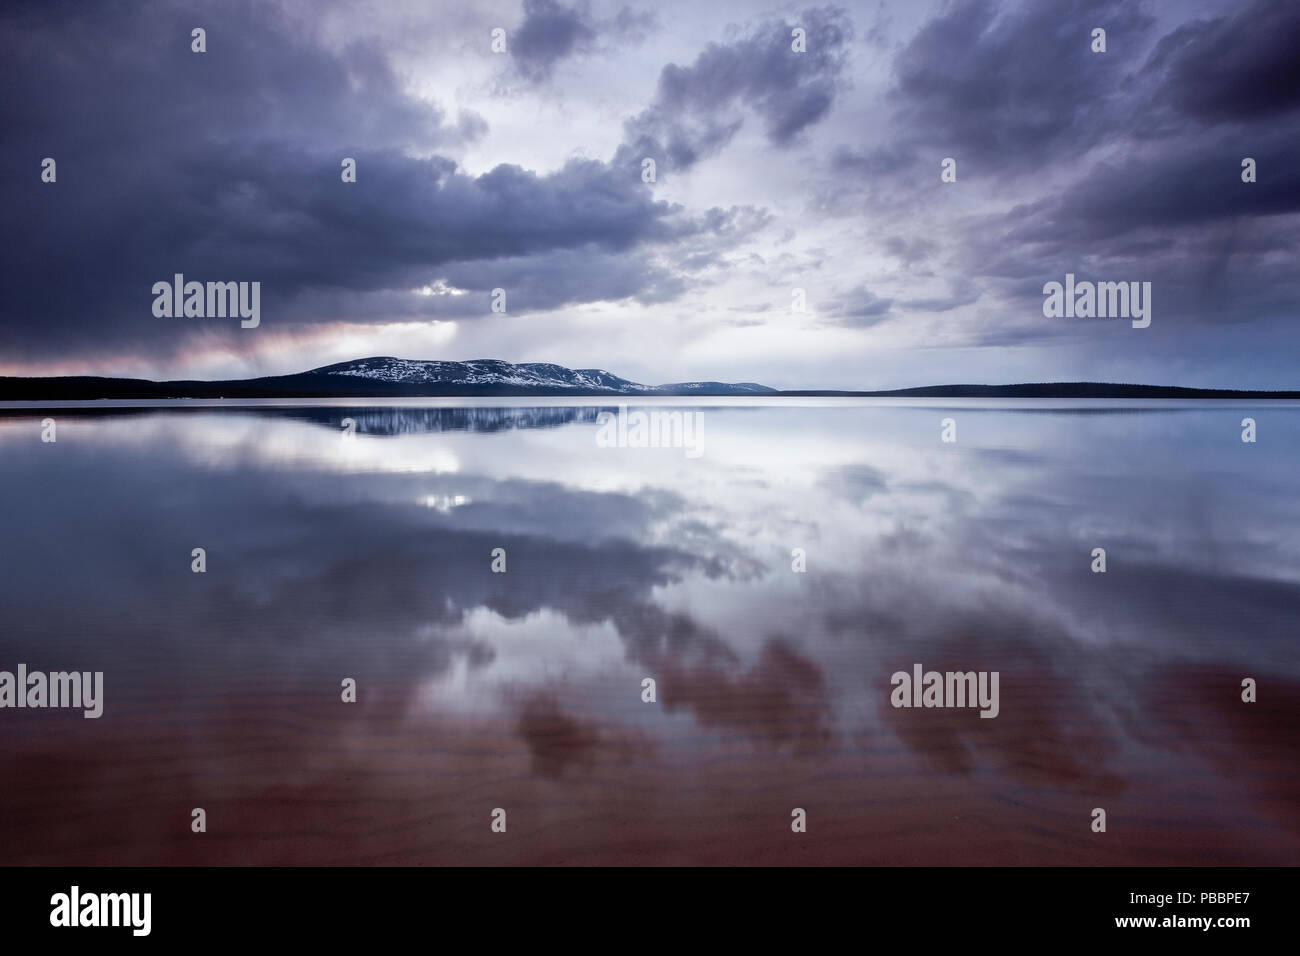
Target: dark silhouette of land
x,y
326,383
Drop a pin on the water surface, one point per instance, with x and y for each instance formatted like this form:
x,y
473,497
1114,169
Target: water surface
x,y
371,558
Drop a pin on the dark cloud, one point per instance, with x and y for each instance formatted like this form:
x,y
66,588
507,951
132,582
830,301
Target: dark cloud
x,y
549,33
1183,184
632,26
859,308
225,166
1140,152
1008,90
881,161
1234,68
230,170
1178,215
696,108
963,292
910,250
1017,85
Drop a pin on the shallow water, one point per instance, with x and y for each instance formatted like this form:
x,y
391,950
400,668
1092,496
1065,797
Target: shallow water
x,y
370,558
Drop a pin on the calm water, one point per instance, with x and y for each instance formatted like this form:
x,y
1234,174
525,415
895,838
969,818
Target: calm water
x,y
371,558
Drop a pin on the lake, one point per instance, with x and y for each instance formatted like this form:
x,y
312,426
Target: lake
x,y
366,552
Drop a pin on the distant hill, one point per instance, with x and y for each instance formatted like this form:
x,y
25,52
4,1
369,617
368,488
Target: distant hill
x,y
387,377
378,377
1062,390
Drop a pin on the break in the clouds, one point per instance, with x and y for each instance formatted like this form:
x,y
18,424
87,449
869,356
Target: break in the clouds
x,y
795,148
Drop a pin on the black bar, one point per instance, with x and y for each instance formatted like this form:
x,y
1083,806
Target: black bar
x,y
212,905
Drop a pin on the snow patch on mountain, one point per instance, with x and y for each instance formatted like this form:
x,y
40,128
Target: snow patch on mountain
x,y
527,375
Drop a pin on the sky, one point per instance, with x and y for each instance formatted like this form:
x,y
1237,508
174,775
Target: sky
x,y
780,175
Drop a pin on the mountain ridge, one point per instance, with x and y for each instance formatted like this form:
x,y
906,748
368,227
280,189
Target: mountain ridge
x,y
384,376
523,375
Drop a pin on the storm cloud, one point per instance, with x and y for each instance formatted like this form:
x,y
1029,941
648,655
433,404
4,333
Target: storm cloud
x,y
778,167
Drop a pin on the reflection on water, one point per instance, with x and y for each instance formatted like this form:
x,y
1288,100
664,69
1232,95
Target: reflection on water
x,y
371,557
